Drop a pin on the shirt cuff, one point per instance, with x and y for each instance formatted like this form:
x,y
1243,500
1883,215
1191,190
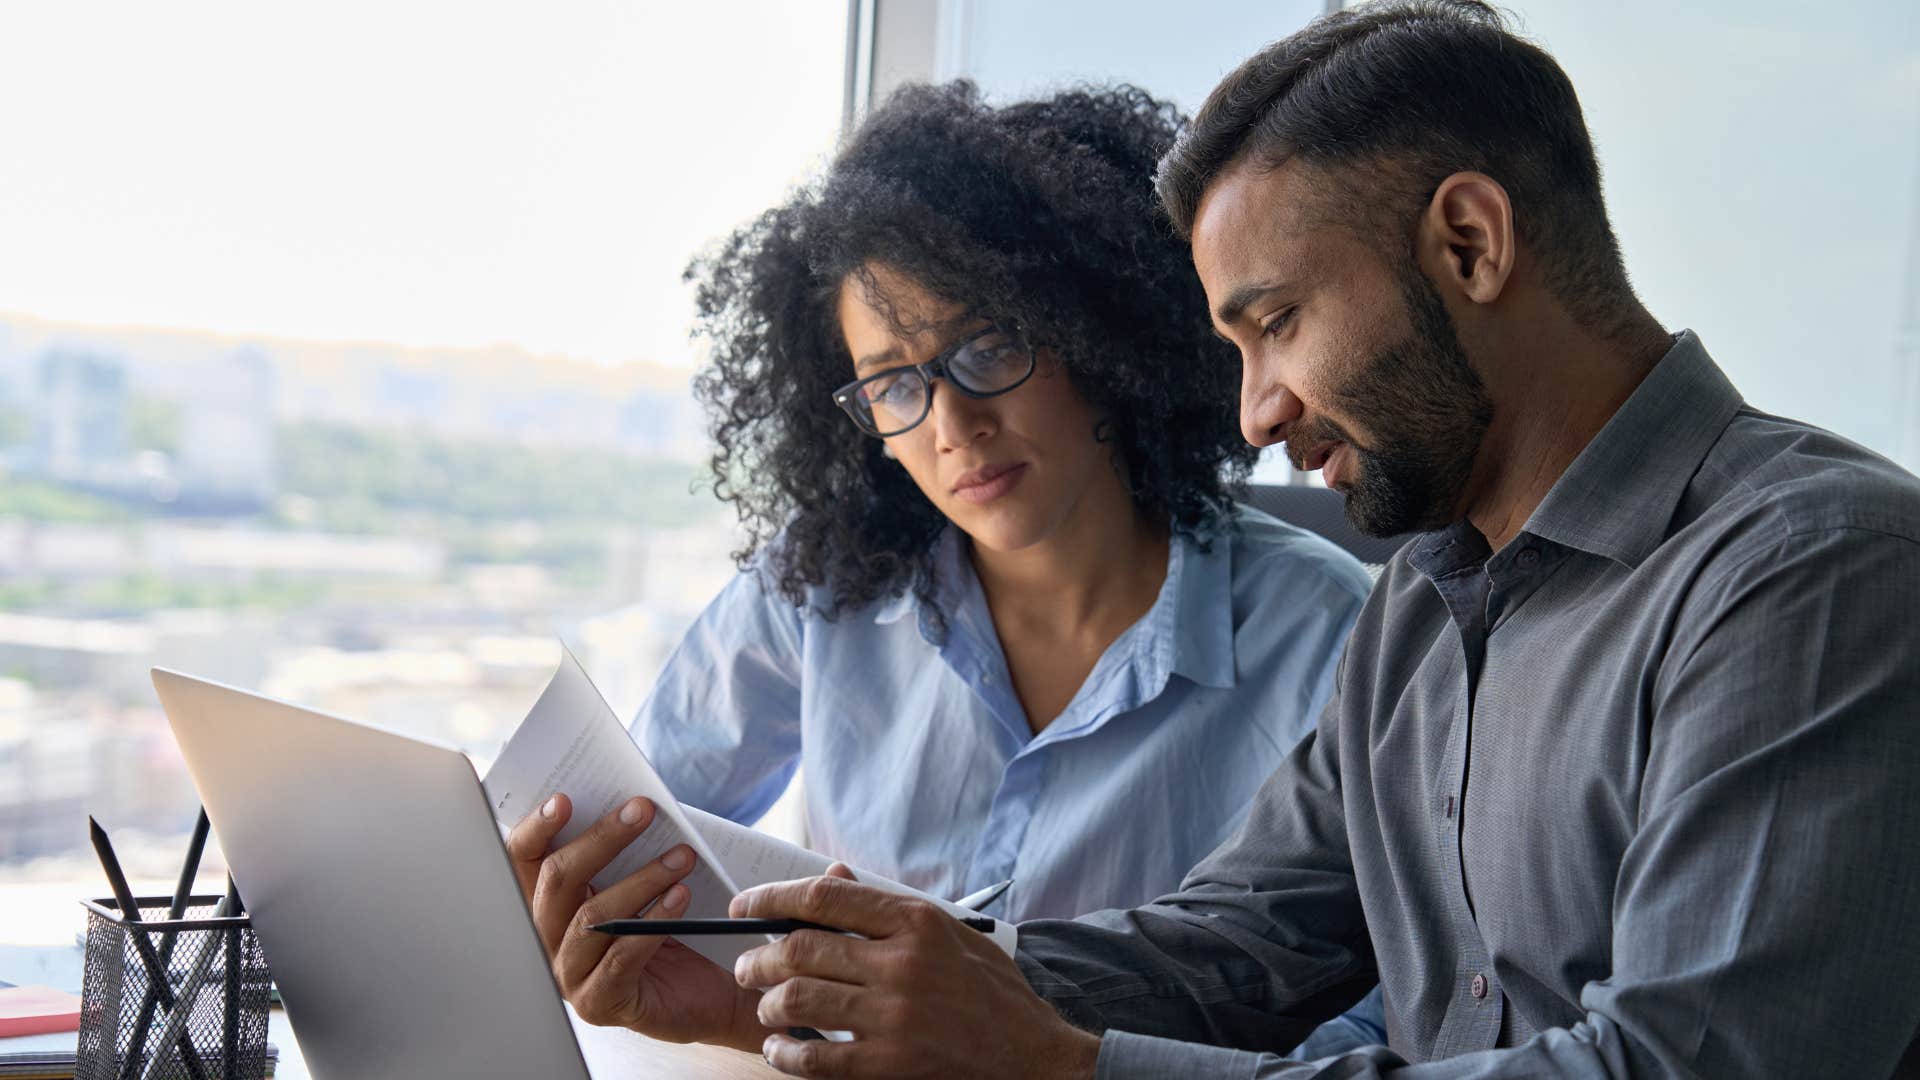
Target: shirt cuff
x,y
1127,1056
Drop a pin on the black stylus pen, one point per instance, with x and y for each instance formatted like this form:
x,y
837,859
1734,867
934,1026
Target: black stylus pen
x,y
692,927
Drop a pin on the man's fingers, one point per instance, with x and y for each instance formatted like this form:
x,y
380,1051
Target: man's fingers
x,y
814,1058
809,953
815,1003
835,902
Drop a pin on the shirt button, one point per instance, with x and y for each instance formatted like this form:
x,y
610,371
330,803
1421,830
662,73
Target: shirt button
x,y
1479,986
1528,558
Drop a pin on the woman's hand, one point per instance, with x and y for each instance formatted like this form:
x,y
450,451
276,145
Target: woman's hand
x,y
654,985
924,995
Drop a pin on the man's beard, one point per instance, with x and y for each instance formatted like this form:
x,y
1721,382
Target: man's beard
x,y
1426,409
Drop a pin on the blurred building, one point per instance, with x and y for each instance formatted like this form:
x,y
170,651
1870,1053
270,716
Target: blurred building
x,y
226,457
81,435
102,655
45,774
241,552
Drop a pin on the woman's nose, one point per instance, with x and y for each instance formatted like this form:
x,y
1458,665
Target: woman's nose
x,y
958,420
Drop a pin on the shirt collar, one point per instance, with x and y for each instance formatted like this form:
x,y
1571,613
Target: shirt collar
x,y
1190,622
1619,495
1201,583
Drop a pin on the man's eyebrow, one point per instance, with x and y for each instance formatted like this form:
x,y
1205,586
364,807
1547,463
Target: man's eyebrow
x,y
1237,301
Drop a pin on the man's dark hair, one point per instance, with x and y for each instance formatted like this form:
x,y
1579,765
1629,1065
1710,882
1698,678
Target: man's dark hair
x,y
1388,99
1037,214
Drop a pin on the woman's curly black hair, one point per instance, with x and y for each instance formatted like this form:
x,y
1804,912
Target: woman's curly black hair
x,y
1040,215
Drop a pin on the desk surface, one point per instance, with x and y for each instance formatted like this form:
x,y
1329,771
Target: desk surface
x,y
611,1055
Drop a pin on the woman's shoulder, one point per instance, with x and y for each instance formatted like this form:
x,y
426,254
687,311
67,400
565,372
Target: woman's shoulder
x,y
1266,550
764,582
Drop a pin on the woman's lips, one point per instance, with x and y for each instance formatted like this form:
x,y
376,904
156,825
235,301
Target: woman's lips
x,y
989,482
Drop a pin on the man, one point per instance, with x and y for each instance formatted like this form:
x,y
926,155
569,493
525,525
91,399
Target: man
x,y
1617,775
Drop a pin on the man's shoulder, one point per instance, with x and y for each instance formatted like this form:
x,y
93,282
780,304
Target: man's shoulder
x,y
1770,480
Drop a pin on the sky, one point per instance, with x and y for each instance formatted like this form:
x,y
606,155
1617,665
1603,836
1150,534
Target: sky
x,y
423,173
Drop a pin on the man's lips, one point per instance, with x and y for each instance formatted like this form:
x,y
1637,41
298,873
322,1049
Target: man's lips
x,y
989,481
1317,457
1332,457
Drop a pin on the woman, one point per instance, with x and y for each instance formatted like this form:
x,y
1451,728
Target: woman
x,y
996,600
999,616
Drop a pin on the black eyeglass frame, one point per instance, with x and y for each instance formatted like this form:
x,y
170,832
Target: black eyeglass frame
x,y
939,367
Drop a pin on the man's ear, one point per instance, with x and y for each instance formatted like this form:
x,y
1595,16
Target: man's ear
x,y
1465,239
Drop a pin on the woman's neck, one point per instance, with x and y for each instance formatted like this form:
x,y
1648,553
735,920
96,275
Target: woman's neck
x,y
1095,576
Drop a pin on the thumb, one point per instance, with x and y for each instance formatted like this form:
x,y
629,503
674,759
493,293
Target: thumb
x,y
841,870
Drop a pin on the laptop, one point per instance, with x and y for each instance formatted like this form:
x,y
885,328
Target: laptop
x,y
380,889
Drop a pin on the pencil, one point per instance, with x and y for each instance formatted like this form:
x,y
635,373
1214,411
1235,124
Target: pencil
x,y
189,869
696,927
142,944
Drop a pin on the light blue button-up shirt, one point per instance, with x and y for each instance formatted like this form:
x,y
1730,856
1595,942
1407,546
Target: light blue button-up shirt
x,y
919,760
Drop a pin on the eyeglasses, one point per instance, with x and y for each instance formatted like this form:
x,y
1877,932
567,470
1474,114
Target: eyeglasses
x,y
983,365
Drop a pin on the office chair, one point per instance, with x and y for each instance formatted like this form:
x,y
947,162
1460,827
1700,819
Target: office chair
x,y
1321,511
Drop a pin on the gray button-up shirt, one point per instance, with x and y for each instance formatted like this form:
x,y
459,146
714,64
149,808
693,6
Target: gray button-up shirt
x,y
1637,795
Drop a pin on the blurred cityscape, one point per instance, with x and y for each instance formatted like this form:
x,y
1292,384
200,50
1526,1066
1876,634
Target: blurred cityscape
x,y
397,535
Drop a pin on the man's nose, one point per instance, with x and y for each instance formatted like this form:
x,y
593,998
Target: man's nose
x,y
1266,405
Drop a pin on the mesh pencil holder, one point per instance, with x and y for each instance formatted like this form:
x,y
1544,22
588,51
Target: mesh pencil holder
x,y
208,1020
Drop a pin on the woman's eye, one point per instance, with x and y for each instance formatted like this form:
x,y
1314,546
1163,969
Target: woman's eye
x,y
891,391
992,353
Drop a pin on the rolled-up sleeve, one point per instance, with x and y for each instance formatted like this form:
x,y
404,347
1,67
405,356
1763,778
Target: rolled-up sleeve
x,y
722,725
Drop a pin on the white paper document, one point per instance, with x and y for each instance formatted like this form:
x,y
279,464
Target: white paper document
x,y
572,742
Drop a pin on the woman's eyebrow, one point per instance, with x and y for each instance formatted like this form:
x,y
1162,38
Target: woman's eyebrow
x,y
891,357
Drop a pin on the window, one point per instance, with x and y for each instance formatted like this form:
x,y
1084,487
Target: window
x,y
345,355
1762,168
1762,161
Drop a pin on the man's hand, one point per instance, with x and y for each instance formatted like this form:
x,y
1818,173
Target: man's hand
x,y
654,985
924,995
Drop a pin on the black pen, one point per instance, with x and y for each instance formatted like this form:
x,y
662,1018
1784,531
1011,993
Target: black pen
x,y
230,996
694,927
150,1001
142,944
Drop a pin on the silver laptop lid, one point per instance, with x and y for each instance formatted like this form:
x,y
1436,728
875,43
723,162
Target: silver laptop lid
x,y
376,878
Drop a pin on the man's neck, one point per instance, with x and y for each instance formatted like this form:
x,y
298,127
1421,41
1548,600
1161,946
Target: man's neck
x,y
1553,400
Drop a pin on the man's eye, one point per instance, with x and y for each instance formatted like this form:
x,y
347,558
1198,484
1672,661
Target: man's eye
x,y
1279,323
